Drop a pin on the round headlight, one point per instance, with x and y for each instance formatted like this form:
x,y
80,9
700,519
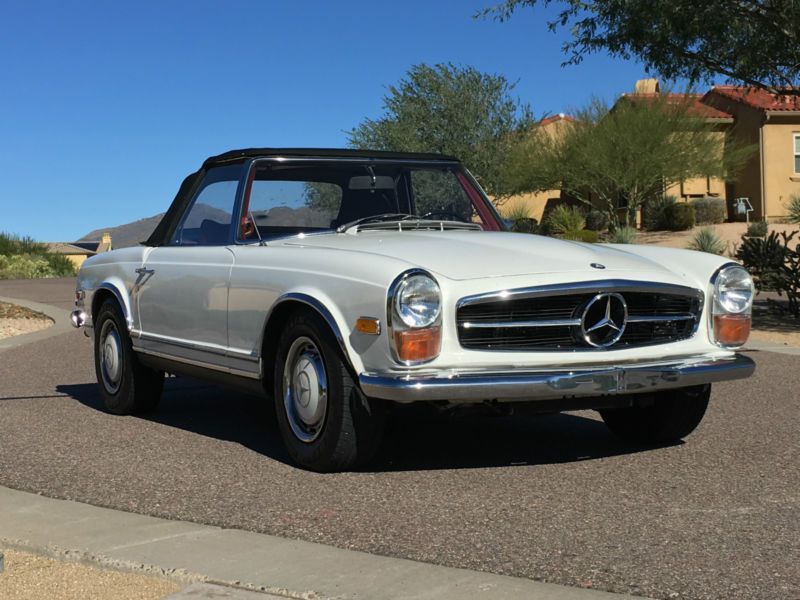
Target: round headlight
x,y
734,290
418,301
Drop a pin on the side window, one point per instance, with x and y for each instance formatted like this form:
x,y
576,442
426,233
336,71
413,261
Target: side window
x,y
208,219
440,194
797,152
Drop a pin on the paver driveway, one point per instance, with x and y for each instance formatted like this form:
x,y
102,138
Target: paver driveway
x,y
554,498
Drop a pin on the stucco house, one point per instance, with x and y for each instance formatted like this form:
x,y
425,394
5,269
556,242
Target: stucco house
x,y
77,252
772,122
750,116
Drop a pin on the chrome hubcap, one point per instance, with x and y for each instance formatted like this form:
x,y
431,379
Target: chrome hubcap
x,y
305,389
110,357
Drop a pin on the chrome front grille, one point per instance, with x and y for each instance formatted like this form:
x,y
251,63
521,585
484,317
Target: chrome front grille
x,y
556,318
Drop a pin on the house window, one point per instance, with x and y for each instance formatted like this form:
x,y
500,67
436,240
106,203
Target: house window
x,y
797,152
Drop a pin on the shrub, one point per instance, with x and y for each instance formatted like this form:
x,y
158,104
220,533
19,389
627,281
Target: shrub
x,y
581,235
23,258
564,218
622,235
794,209
706,240
654,212
757,229
774,265
679,216
14,244
24,266
710,211
596,220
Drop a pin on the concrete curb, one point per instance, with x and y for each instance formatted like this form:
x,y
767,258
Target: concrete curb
x,y
290,568
60,317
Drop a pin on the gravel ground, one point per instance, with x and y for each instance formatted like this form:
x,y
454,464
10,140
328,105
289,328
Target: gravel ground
x,y
32,577
16,320
729,233
554,498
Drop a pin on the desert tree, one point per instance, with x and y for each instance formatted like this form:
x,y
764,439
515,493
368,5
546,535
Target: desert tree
x,y
452,110
750,42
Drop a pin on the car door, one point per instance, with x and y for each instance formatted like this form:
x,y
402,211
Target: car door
x,y
182,293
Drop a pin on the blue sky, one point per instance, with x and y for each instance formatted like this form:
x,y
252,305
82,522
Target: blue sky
x,y
106,106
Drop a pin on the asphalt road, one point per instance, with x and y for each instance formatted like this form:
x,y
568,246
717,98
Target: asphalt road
x,y
554,498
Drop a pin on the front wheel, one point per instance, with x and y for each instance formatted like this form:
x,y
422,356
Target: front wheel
x,y
326,422
127,386
660,417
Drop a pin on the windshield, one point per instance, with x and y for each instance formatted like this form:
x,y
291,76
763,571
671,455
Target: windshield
x,y
290,199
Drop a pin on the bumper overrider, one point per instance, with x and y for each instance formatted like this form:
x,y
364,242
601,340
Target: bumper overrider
x,y
548,384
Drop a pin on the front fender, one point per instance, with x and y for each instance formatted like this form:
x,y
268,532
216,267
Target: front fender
x,y
330,312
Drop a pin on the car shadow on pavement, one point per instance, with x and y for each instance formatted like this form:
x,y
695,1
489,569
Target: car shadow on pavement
x,y
206,410
472,440
416,438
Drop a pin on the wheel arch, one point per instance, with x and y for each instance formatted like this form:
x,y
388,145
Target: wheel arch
x,y
280,313
111,290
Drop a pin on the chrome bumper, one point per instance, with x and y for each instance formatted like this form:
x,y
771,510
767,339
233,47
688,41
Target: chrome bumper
x,y
547,384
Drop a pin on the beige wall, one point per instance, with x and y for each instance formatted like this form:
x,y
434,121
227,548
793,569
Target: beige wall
x,y
76,259
698,187
780,180
534,203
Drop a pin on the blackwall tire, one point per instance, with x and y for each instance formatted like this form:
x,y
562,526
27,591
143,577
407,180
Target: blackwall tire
x,y
668,416
127,387
326,422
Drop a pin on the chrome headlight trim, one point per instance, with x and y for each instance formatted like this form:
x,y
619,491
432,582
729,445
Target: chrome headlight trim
x,y
418,300
394,320
734,291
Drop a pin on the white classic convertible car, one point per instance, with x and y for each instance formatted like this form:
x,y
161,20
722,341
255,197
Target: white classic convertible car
x,y
336,283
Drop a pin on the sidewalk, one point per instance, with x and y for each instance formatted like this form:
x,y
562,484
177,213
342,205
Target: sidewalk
x,y
188,552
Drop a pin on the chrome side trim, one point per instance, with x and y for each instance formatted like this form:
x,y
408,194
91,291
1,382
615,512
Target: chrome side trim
x,y
547,384
197,363
205,347
596,286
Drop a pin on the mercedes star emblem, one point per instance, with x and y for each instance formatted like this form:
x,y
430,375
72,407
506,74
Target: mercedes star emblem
x,y
603,320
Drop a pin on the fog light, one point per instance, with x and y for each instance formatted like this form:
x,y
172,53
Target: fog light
x,y
731,330
416,345
78,318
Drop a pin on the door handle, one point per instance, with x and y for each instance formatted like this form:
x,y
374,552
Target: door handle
x,y
143,271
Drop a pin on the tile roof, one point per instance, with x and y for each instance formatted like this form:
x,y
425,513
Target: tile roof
x,y
555,118
758,98
87,248
696,108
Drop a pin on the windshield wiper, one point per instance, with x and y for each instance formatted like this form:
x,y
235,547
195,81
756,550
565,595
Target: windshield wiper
x,y
374,218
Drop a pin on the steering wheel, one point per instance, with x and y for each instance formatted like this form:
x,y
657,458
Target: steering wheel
x,y
445,213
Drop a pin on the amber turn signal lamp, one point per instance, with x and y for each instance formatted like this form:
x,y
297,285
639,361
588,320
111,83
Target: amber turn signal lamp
x,y
368,325
731,330
416,345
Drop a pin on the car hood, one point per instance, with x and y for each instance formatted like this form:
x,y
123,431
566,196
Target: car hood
x,y
465,255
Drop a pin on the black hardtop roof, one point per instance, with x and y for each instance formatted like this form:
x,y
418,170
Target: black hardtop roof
x,y
239,155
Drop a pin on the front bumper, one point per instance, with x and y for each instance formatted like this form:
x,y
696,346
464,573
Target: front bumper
x,y
548,384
